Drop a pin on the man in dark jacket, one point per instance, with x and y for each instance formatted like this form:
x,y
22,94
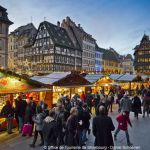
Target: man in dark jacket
x,y
89,98
102,128
20,109
8,113
50,130
86,123
96,100
80,120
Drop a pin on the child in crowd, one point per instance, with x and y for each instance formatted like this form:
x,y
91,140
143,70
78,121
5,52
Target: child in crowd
x,y
123,121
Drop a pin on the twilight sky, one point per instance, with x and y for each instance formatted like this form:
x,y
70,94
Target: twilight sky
x,y
113,23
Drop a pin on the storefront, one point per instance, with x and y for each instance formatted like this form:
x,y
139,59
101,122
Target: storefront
x,y
66,83
133,83
100,82
12,85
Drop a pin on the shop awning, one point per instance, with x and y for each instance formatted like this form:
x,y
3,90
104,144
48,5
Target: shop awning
x,y
93,78
28,91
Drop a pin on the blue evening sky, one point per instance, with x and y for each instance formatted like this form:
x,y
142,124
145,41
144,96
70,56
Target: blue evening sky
x,y
113,23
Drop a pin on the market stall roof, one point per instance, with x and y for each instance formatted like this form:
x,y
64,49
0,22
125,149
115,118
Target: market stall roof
x,y
92,78
115,76
50,79
11,82
62,79
131,78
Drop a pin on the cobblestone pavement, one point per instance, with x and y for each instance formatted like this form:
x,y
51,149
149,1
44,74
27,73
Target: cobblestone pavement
x,y
139,136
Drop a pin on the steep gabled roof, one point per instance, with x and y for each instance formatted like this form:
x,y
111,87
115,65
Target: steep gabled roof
x,y
129,56
58,35
145,42
27,30
110,55
2,8
97,48
4,17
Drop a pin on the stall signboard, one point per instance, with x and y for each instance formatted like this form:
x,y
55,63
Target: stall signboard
x,y
10,85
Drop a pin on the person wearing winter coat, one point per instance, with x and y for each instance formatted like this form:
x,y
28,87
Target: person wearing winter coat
x,y
71,137
50,130
125,104
8,112
38,120
110,101
20,110
96,100
146,105
104,103
102,128
136,106
61,118
123,121
86,123
83,96
80,119
89,98
28,113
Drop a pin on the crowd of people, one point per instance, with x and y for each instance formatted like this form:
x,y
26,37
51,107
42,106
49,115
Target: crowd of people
x,y
68,124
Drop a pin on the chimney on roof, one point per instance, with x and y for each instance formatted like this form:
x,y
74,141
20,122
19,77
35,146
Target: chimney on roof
x,y
58,23
79,25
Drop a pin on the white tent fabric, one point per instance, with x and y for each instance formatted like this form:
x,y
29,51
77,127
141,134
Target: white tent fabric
x,y
51,78
92,78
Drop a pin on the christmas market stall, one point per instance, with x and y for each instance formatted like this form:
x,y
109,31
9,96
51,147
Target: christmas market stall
x,y
12,85
66,83
100,82
132,82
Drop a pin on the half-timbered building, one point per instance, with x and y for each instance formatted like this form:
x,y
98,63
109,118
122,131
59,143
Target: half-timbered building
x,y
53,50
142,56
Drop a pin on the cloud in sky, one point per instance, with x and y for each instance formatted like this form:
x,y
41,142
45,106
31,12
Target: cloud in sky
x,y
113,23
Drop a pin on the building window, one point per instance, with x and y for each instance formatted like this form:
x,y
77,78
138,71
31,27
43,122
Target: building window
x,y
1,44
0,27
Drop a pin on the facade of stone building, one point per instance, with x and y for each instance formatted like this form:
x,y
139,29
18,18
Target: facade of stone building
x,y
127,64
4,26
53,50
98,59
111,61
11,43
19,39
85,41
142,56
